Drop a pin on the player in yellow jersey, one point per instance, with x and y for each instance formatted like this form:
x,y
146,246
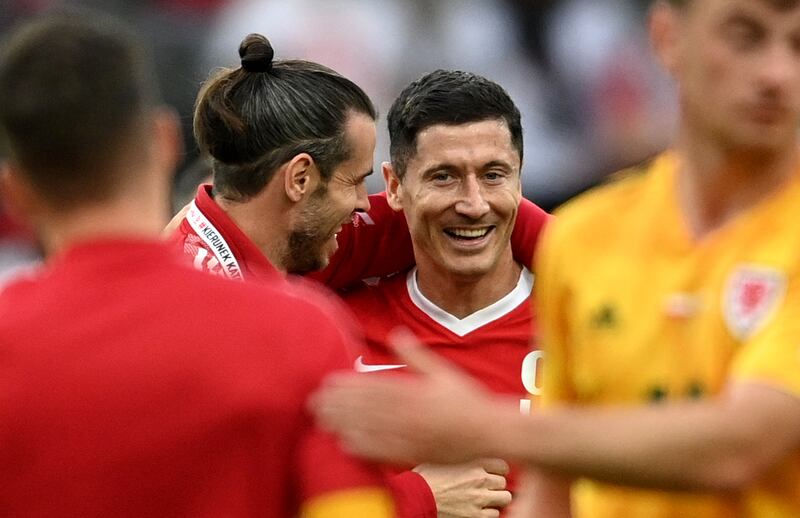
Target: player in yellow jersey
x,y
670,308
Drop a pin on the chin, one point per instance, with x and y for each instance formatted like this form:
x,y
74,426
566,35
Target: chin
x,y
470,269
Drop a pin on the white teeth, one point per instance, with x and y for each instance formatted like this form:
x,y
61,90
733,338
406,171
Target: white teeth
x,y
468,232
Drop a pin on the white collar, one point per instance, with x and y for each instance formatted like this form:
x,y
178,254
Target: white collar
x,y
463,326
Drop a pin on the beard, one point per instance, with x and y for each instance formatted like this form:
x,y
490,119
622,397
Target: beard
x,y
306,241
304,251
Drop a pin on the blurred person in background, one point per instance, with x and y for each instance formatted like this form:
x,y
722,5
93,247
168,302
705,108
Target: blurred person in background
x,y
121,394
670,332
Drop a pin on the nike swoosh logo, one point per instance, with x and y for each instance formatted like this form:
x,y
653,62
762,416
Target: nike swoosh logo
x,y
360,366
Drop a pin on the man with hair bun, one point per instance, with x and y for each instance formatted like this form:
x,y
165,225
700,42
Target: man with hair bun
x,y
121,394
672,330
291,143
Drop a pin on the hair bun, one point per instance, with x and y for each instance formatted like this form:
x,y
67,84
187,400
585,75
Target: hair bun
x,y
256,53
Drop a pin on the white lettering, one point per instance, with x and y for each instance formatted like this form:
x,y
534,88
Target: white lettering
x,y
530,369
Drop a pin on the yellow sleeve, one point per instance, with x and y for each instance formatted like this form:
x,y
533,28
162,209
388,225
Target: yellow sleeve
x,y
363,502
550,299
772,355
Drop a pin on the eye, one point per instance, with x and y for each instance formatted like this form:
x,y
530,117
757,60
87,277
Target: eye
x,y
494,176
441,177
743,34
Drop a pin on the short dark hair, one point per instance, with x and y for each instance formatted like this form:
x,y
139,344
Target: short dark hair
x,y
447,97
74,87
254,118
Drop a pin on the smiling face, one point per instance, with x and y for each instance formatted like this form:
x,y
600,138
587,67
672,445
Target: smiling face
x,y
312,240
737,63
460,194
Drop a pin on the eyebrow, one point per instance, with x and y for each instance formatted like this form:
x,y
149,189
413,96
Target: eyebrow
x,y
498,163
445,166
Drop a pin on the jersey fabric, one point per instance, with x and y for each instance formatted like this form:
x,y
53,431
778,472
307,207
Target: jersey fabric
x,y
491,345
635,311
131,385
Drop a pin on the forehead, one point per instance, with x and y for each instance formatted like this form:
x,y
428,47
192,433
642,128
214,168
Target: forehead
x,y
482,141
773,12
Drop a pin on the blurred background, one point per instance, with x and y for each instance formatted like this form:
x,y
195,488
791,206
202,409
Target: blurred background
x,y
592,98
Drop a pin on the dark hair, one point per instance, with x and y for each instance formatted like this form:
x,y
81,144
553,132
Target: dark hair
x,y
447,97
252,119
74,87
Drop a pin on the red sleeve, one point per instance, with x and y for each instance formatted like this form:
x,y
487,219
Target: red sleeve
x,y
413,497
330,479
375,244
524,240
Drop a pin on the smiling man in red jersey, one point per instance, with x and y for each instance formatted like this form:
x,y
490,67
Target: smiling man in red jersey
x,y
456,146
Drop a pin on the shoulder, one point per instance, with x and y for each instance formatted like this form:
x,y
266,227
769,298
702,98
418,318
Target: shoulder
x,y
608,200
376,290
300,328
602,214
377,302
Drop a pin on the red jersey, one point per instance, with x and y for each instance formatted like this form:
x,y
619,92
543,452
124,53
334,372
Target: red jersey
x,y
131,385
375,244
492,344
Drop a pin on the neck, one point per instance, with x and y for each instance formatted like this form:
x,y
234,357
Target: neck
x,y
715,184
463,295
132,216
261,218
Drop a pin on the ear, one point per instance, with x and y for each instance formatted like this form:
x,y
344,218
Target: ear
x,y
168,141
19,199
664,26
300,176
394,187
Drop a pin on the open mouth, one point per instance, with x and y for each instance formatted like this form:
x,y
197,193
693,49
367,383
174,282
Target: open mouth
x,y
469,234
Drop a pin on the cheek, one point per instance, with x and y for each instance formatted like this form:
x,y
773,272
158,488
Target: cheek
x,y
716,74
506,204
342,202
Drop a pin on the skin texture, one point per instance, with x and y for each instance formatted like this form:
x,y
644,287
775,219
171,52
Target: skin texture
x,y
471,489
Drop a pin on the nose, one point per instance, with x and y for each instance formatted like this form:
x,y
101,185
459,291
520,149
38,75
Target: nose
x,y
778,68
362,198
472,202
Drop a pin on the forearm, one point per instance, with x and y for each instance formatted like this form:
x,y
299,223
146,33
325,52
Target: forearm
x,y
691,446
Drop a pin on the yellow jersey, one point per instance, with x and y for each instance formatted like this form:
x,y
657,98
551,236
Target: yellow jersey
x,y
633,310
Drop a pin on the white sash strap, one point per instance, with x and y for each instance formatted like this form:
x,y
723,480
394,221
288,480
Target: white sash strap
x,y
215,242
